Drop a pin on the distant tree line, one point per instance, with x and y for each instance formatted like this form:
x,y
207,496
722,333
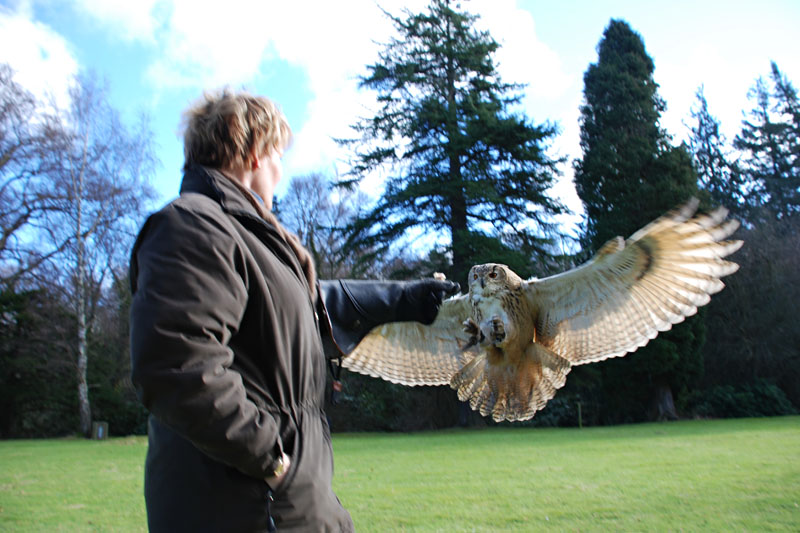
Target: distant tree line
x,y
630,172
443,107
468,180
73,187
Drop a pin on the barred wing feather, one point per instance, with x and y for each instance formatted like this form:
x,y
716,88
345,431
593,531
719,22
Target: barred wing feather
x,y
631,290
411,353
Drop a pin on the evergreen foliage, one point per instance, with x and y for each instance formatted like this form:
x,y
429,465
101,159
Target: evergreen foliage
x,y
470,156
770,144
629,173
717,173
753,331
37,386
38,396
628,176
760,398
753,338
459,159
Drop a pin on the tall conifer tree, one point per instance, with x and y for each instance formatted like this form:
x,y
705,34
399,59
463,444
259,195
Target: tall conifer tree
x,y
629,175
770,142
717,172
460,161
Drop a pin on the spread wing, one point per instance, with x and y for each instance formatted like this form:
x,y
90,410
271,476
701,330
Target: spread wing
x,y
631,290
411,353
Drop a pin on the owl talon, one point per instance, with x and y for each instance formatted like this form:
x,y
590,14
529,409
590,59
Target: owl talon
x,y
474,332
498,331
470,327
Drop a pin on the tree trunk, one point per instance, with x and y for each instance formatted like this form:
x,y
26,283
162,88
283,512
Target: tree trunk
x,y
663,406
458,232
84,406
458,203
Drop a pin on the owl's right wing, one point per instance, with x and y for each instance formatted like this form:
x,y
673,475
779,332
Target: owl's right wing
x,y
411,353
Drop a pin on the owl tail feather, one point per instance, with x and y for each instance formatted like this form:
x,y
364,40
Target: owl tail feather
x,y
509,391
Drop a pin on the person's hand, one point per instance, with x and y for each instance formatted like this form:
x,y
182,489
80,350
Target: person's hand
x,y
421,299
282,468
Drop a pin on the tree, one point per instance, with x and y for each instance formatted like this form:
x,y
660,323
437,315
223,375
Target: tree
x,y
114,397
27,192
752,330
37,393
630,174
318,213
621,141
74,187
460,160
717,173
102,168
752,325
770,142
38,397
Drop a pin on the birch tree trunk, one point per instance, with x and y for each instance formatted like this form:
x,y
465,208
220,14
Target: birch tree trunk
x,y
73,189
98,173
84,407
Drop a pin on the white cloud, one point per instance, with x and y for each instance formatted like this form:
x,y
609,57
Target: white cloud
x,y
342,46
208,44
202,44
42,59
522,58
333,47
129,20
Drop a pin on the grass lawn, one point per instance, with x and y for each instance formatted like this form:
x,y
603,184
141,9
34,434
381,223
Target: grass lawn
x,y
725,475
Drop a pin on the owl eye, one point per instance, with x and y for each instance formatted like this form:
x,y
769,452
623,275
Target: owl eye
x,y
492,275
474,276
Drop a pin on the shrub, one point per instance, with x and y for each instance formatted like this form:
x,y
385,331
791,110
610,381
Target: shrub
x,y
752,400
125,416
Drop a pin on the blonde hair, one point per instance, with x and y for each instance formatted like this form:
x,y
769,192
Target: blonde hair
x,y
222,128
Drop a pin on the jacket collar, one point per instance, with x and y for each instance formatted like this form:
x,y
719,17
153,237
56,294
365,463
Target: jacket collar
x,y
214,184
231,197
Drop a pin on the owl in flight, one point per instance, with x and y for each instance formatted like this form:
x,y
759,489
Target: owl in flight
x,y
508,344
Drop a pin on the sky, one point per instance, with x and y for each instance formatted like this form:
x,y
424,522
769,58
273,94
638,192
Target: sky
x,y
158,56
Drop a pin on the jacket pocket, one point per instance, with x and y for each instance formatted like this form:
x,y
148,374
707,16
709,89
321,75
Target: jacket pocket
x,y
290,445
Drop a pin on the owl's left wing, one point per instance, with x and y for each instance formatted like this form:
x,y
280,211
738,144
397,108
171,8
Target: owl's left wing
x,y
411,353
631,290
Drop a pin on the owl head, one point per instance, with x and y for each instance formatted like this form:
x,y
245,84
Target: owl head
x,y
490,277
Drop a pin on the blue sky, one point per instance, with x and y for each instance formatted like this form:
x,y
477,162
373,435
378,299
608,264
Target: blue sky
x,y
158,56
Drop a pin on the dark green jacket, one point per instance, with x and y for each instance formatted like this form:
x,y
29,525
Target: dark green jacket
x,y
227,356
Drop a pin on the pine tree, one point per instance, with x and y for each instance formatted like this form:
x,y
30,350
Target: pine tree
x,y
629,175
460,161
621,141
717,172
770,142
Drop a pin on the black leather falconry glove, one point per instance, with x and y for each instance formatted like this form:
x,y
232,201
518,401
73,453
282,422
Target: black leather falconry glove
x,y
354,307
421,300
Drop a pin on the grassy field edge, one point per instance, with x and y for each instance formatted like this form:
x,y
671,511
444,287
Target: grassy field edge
x,y
741,474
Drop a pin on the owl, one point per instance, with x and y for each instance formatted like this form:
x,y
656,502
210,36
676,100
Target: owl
x,y
508,344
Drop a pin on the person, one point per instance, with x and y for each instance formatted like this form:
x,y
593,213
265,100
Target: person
x,y
230,331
